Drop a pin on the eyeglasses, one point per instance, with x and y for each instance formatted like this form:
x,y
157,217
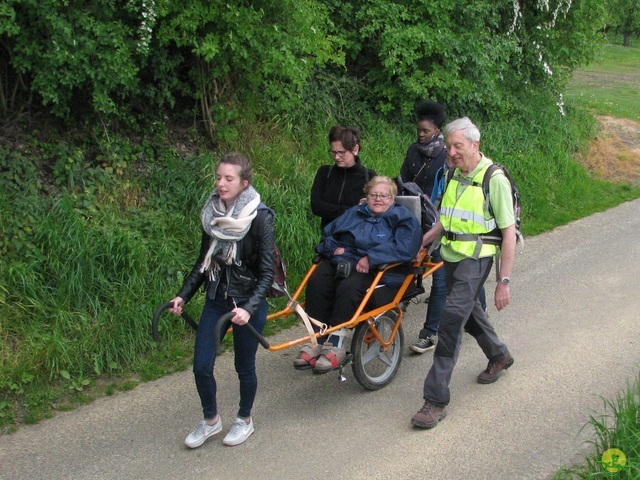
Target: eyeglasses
x,y
340,153
382,196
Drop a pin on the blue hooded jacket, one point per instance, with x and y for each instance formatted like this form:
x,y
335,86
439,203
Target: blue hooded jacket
x,y
394,236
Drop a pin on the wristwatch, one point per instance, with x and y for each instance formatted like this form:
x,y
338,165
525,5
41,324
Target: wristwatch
x,y
504,280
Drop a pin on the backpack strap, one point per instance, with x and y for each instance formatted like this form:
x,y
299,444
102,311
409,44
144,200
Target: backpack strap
x,y
485,184
447,179
450,174
259,220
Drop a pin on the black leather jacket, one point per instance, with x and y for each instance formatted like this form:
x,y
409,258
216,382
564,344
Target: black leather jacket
x,y
252,278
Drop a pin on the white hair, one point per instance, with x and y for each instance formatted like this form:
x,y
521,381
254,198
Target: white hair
x,y
466,126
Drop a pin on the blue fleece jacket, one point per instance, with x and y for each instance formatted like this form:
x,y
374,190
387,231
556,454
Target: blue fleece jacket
x,y
394,236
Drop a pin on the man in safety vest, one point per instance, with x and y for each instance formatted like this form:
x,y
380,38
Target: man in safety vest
x,y
468,258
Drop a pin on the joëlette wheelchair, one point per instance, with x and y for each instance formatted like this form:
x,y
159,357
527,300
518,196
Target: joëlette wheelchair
x,y
377,342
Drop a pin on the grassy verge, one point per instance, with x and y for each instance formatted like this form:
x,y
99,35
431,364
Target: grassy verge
x,y
615,451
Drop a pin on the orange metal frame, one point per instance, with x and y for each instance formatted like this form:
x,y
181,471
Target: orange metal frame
x,y
422,261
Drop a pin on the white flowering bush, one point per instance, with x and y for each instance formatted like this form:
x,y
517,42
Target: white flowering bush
x,y
218,60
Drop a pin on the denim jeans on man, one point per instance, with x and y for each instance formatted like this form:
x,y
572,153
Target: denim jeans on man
x,y
245,347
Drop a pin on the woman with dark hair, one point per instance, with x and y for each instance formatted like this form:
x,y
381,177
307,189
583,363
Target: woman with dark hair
x,y
236,267
425,164
339,187
426,158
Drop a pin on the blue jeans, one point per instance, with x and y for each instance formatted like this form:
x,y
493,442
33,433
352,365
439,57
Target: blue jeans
x,y
245,347
483,298
438,299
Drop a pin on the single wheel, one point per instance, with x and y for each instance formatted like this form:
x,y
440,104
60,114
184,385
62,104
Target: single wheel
x,y
372,366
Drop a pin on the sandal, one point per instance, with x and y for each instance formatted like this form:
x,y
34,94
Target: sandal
x,y
307,357
330,358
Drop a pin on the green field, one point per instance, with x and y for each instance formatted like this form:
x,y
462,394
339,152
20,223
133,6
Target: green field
x,y
611,84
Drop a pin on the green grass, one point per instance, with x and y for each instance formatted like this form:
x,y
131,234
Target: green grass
x,y
610,85
617,428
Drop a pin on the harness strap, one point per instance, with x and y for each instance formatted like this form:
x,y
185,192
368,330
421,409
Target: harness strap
x,y
480,240
472,237
307,320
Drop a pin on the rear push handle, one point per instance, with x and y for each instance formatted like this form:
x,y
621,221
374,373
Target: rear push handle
x,y
156,317
224,323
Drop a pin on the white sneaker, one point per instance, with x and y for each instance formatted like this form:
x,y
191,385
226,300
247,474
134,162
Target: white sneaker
x,y
239,432
202,432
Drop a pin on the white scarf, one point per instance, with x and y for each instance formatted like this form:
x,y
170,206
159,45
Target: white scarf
x,y
227,227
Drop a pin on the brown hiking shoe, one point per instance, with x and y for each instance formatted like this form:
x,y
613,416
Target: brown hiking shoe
x,y
495,368
428,416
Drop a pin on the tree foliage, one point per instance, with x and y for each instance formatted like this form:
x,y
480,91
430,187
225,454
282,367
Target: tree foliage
x,y
117,59
624,19
475,56
71,54
258,54
124,59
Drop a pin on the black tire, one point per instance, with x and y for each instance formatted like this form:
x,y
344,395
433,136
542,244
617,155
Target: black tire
x,y
373,367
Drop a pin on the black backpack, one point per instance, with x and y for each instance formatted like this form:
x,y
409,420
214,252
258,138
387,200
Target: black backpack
x,y
495,237
428,211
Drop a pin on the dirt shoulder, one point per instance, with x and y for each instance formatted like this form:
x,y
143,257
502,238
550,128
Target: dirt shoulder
x,y
615,153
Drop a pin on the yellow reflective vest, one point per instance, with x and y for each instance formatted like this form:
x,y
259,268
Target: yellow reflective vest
x,y
465,217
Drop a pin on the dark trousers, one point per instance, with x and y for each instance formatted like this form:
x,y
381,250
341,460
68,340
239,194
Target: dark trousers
x,y
463,312
334,301
438,298
245,347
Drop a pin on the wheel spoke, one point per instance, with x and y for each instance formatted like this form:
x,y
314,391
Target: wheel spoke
x,y
374,367
385,358
372,353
